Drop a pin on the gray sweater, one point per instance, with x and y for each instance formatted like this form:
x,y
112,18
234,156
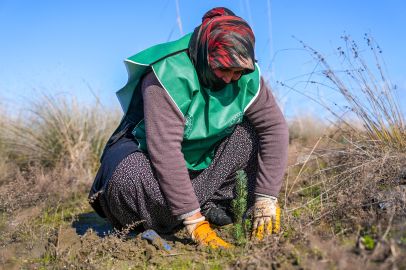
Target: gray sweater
x,y
164,125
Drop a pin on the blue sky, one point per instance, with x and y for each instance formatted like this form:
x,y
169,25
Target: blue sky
x,y
62,46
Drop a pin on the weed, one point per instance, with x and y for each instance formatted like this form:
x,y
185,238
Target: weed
x,y
368,242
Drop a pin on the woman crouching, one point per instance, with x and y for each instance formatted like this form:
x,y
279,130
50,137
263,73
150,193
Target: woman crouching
x,y
196,111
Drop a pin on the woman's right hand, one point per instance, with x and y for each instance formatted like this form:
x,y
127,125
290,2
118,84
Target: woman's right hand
x,y
201,233
204,235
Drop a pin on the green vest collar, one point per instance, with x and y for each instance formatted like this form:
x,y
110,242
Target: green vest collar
x,y
139,64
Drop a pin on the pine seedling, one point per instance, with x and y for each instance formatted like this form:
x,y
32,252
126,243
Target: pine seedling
x,y
239,206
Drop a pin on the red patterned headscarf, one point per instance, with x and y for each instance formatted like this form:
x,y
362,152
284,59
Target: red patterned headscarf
x,y
222,40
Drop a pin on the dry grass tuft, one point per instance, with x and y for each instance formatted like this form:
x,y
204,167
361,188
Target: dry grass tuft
x,y
56,128
370,95
50,149
306,126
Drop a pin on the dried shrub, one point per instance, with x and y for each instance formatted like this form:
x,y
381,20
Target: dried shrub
x,y
24,188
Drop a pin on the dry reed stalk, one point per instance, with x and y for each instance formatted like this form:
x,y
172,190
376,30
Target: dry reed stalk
x,y
374,101
297,177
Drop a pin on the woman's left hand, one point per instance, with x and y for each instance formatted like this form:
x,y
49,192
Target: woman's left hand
x,y
266,217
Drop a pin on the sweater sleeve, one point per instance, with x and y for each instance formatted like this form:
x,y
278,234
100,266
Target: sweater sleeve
x,y
267,118
164,126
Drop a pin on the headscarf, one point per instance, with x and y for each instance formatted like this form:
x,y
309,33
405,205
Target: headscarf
x,y
222,40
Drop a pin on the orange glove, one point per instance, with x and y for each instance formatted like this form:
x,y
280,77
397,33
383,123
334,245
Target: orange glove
x,y
206,236
266,212
202,234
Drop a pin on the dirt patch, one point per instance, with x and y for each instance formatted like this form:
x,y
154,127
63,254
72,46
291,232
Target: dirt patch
x,y
90,248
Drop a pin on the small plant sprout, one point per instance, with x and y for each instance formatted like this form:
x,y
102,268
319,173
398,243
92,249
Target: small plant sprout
x,y
238,207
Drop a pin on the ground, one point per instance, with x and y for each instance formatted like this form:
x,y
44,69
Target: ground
x,y
345,229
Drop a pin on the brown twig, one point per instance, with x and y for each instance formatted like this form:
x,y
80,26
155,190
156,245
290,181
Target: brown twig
x,y
175,254
297,177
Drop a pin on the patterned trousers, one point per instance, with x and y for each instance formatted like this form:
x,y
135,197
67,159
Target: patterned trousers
x,y
133,193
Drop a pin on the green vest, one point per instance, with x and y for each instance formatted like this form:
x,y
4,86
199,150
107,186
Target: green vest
x,y
209,116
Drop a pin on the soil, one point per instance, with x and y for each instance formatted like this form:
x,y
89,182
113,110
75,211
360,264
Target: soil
x,y
97,243
76,248
90,248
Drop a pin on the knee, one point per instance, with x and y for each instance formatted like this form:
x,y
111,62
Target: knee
x,y
246,136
